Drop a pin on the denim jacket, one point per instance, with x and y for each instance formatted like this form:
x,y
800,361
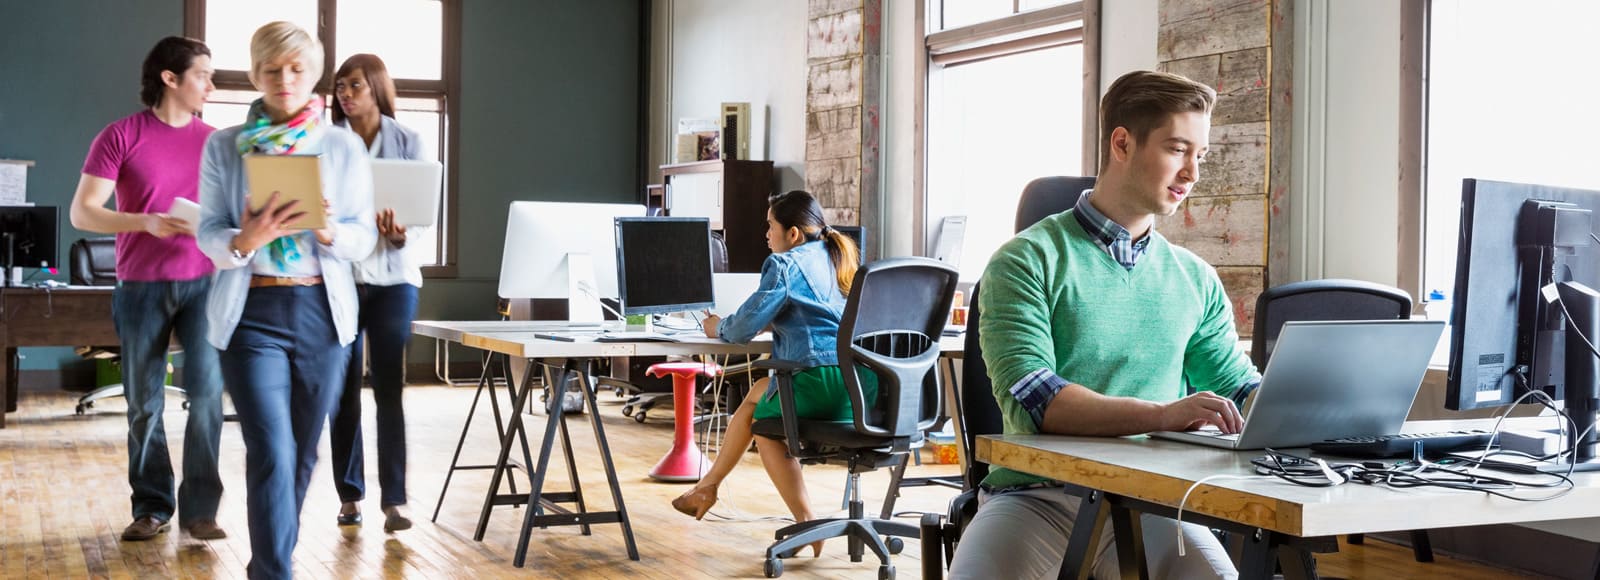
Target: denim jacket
x,y
346,182
799,297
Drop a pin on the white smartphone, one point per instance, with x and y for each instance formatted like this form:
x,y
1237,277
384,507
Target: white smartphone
x,y
187,211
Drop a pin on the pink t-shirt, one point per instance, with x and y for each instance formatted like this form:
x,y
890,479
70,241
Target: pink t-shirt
x,y
153,163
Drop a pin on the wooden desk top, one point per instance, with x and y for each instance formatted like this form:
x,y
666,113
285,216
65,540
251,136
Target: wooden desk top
x,y
1161,471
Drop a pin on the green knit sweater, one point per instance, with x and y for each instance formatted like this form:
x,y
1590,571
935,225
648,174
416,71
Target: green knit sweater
x,y
1054,299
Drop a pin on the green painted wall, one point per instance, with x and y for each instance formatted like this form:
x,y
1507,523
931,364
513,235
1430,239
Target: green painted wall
x,y
549,111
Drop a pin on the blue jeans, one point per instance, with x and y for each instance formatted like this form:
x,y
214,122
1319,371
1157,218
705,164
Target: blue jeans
x,y
385,317
147,315
283,368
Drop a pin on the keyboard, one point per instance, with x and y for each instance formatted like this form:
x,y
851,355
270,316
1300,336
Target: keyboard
x,y
1403,444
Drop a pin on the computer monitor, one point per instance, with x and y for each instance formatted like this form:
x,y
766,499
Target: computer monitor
x,y
1526,265
664,264
858,235
28,236
547,240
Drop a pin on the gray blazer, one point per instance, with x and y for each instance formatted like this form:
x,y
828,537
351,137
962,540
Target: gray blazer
x,y
346,183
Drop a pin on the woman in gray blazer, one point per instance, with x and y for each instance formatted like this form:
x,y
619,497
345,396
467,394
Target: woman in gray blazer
x,y
282,306
387,283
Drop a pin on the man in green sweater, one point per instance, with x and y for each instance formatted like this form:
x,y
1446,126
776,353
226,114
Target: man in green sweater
x,y
1094,324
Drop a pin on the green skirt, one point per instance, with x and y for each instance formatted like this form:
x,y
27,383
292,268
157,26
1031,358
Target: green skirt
x,y
819,393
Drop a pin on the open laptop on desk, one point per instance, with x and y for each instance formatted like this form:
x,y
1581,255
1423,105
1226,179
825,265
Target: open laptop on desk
x,y
1329,380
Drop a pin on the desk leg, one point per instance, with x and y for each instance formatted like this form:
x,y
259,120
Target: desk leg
x,y
611,469
1085,537
1129,538
1260,554
513,429
8,374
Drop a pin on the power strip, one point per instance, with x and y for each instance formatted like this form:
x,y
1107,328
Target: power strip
x,y
1536,443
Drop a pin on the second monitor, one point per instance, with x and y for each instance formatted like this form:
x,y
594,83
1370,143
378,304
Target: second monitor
x,y
664,264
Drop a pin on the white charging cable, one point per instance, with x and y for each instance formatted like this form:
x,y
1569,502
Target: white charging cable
x,y
1185,501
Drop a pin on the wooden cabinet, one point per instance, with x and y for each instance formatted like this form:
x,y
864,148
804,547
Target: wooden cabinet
x,y
733,195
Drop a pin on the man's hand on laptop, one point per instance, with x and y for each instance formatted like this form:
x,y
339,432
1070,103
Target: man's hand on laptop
x,y
1201,409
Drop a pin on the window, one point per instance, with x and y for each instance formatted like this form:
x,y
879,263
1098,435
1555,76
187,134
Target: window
x,y
417,40
1005,106
1508,99
959,13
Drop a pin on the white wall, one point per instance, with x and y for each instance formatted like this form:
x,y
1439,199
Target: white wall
x,y
1345,141
719,51
901,41
1127,38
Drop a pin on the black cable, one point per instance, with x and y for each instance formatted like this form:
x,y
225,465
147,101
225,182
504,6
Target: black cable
x,y
1308,472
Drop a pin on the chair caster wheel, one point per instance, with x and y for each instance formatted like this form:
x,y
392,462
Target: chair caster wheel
x,y
774,567
885,572
185,405
895,545
639,417
79,410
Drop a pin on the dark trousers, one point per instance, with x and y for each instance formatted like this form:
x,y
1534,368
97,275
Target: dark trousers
x,y
386,315
147,315
283,369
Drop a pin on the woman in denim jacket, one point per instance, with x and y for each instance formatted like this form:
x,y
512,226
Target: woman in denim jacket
x,y
802,294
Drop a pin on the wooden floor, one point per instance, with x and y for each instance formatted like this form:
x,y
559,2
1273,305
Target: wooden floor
x,y
64,501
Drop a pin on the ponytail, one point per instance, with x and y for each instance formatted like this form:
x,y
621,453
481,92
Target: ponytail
x,y
846,256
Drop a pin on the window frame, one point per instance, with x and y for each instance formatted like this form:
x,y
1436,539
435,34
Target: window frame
x,y
1048,27
446,90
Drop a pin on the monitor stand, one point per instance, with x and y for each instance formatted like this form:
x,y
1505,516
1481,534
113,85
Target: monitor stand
x,y
1582,397
583,293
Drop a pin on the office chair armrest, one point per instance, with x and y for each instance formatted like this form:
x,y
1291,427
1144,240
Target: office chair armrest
x,y
784,379
782,366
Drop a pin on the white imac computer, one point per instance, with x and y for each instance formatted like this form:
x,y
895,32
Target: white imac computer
x,y
563,250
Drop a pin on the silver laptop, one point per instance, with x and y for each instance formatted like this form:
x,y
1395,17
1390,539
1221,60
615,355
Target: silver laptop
x,y
409,187
1328,380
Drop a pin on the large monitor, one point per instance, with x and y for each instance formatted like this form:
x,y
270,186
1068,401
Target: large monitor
x,y
664,264
547,240
28,236
858,235
1525,269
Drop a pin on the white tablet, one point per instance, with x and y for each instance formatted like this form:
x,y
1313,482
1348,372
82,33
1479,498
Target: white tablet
x,y
187,211
410,187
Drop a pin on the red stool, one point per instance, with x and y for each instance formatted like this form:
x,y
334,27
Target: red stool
x,y
684,462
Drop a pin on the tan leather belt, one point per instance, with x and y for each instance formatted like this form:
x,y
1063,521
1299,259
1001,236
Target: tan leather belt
x,y
271,281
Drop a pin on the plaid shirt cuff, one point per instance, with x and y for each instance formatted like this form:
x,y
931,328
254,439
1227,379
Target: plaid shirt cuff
x,y
1035,391
1243,392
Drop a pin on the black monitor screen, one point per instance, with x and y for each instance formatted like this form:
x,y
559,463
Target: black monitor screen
x,y
30,234
664,264
1501,330
858,235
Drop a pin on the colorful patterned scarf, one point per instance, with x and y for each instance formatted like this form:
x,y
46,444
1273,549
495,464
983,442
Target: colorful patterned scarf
x,y
261,136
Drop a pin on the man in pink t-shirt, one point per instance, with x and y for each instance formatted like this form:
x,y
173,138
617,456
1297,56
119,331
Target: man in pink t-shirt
x,y
150,160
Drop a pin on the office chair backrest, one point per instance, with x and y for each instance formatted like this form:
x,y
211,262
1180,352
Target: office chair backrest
x,y
892,322
93,262
1331,299
719,253
980,414
1047,196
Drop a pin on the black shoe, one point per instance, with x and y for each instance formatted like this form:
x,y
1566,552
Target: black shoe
x,y
350,519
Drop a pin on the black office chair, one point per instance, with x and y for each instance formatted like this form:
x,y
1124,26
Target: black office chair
x,y
1331,299
93,262
1047,196
891,326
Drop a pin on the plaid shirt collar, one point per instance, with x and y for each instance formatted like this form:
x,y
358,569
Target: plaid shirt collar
x,y
1109,234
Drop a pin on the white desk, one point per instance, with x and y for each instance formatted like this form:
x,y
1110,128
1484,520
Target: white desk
x,y
516,340
1157,473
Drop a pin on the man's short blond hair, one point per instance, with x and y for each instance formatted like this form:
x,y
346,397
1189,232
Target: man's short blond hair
x,y
278,39
1141,102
